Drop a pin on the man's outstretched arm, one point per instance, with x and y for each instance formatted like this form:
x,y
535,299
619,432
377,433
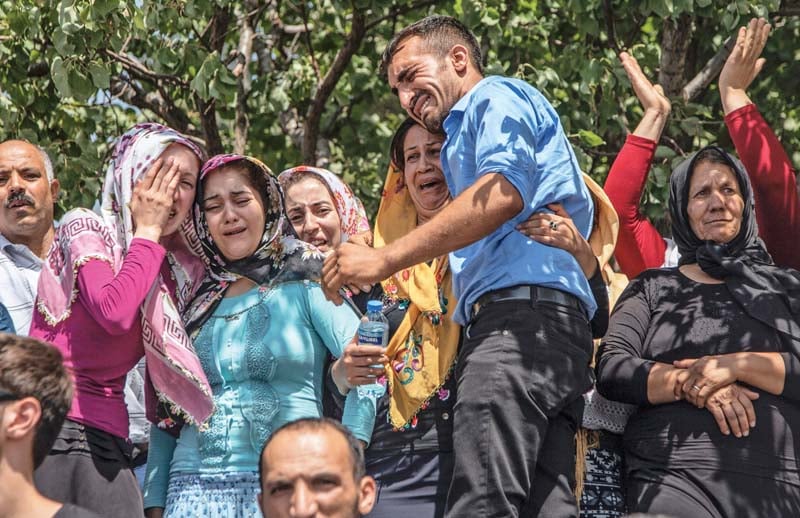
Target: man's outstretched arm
x,y
472,215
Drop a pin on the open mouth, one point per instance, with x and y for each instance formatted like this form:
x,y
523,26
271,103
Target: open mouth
x,y
319,243
18,203
430,183
234,232
419,106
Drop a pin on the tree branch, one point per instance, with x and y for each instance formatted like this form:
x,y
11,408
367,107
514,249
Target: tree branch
x,y
307,38
135,95
675,39
709,71
133,65
398,10
314,113
247,33
608,12
215,37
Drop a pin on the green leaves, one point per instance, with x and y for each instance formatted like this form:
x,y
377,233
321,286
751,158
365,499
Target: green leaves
x,y
167,56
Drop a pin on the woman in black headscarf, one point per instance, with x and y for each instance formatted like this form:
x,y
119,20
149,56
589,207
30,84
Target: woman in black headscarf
x,y
710,352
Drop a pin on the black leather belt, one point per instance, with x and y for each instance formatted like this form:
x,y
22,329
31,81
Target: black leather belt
x,y
527,292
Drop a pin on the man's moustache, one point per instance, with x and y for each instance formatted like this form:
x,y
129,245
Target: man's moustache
x,y
21,196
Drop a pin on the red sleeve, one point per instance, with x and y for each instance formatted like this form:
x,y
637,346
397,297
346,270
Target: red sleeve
x,y
774,183
114,301
639,245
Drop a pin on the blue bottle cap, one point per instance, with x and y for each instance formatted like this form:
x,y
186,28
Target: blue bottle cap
x,y
374,305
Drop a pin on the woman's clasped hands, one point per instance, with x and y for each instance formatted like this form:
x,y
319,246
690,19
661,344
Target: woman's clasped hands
x,y
710,382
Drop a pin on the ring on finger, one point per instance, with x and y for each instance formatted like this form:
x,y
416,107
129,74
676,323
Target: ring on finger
x,y
553,226
695,387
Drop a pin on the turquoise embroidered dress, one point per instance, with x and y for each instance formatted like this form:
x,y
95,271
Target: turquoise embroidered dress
x,y
263,353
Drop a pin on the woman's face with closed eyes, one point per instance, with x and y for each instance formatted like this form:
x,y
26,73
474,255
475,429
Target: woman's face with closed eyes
x,y
234,212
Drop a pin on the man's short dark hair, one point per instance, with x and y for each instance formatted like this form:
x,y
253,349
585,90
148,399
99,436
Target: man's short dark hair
x,y
439,34
313,424
30,368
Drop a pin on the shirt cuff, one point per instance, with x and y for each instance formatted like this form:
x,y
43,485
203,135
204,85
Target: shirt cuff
x,y
744,111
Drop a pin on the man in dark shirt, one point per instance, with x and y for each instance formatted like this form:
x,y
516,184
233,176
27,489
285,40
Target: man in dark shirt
x,y
35,394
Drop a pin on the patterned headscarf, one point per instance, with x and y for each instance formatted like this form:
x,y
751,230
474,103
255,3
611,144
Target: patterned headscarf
x,y
423,349
352,216
280,256
173,368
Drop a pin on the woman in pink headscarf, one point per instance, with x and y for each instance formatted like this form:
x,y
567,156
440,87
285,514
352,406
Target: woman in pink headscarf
x,y
110,292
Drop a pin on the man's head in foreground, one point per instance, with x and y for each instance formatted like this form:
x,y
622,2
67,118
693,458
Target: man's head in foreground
x,y
35,395
314,467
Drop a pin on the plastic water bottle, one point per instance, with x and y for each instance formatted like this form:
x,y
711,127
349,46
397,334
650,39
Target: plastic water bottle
x,y
373,330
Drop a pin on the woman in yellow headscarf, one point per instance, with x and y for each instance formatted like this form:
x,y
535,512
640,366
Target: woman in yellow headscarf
x,y
411,453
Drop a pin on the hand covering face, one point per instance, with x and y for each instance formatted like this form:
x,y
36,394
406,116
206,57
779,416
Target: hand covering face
x,y
766,292
173,370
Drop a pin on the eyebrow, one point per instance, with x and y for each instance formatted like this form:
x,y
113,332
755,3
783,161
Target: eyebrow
x,y
210,197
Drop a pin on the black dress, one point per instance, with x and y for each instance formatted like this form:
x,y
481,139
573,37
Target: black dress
x,y
412,466
677,461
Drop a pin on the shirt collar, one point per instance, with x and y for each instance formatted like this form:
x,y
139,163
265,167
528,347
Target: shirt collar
x,y
19,251
461,105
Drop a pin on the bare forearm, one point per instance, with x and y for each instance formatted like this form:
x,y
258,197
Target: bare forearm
x,y
652,124
661,383
733,99
474,214
766,371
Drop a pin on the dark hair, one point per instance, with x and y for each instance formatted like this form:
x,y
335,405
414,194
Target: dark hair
x,y
439,34
254,175
30,368
315,424
396,150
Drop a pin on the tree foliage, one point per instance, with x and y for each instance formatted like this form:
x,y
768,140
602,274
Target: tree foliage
x,y
291,81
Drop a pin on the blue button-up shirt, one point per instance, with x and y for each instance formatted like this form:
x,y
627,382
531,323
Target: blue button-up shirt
x,y
506,126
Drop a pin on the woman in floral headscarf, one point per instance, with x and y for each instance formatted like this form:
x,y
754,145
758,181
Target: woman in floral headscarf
x,y
321,208
261,327
110,292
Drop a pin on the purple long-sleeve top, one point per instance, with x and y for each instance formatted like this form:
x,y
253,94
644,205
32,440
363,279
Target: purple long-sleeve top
x,y
101,340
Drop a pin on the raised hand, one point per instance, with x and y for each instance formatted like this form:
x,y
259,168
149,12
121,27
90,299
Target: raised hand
x,y
743,64
732,408
651,96
153,198
655,104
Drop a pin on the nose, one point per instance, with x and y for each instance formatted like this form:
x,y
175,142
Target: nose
x,y
15,182
228,214
716,201
405,95
424,164
304,505
310,225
